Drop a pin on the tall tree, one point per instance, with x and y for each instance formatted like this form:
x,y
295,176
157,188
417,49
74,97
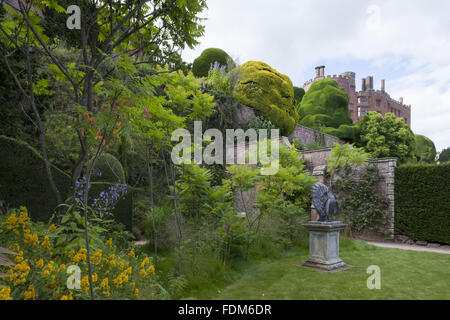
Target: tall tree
x,y
387,136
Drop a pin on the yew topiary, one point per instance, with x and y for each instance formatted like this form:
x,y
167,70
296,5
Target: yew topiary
x,y
325,104
269,92
425,149
202,64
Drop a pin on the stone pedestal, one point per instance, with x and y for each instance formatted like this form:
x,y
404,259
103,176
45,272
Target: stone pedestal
x,y
324,245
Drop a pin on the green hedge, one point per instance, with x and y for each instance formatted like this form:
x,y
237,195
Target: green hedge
x,y
422,202
23,179
24,182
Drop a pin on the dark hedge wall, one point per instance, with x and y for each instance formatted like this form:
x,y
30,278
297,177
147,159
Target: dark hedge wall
x,y
422,202
24,182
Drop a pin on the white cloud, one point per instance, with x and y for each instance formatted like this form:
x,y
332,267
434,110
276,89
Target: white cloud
x,y
406,42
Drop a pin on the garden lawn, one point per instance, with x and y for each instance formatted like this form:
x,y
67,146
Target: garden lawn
x,y
404,275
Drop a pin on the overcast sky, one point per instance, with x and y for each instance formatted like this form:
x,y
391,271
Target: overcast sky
x,y
405,42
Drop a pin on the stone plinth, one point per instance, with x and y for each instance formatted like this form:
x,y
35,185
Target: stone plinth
x,y
324,245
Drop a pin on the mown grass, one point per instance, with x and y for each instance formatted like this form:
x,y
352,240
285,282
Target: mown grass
x,y
404,275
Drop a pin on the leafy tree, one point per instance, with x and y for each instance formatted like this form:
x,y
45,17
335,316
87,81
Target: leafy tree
x,y
387,136
202,64
425,149
269,92
325,104
444,155
98,80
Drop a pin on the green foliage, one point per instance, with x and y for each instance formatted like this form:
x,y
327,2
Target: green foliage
x,y
425,149
325,104
422,209
63,146
298,94
259,123
387,136
194,188
24,181
361,201
269,92
217,82
348,133
444,155
202,64
343,156
108,169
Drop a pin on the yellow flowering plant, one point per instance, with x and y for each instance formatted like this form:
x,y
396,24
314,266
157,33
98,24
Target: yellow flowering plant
x,y
36,271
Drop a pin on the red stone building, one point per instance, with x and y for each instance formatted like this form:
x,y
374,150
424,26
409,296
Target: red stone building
x,y
368,99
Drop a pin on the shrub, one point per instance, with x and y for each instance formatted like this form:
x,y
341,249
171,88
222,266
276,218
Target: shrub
x,y
325,104
39,273
422,209
298,94
425,149
387,136
444,155
269,92
202,64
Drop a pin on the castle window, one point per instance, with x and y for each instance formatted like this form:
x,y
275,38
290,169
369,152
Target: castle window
x,y
361,111
378,103
363,99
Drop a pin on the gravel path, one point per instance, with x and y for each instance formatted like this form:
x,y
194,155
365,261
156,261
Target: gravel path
x,y
409,247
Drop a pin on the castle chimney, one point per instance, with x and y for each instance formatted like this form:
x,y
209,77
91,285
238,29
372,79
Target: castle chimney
x,y
322,71
363,84
401,100
369,83
317,72
383,83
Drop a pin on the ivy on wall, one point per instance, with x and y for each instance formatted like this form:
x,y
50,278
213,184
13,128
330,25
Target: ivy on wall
x,y
363,205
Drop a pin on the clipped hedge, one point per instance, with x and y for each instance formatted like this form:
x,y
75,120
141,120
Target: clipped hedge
x,y
422,205
269,92
325,104
23,179
24,182
425,149
202,63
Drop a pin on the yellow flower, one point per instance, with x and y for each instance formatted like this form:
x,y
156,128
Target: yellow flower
x,y
52,228
97,257
85,283
143,273
31,239
109,242
62,267
71,253
120,279
145,262
151,269
46,243
40,263
67,297
30,293
136,292
131,253
94,277
5,293
104,283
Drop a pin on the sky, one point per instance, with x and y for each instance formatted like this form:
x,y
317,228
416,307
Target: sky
x,y
405,42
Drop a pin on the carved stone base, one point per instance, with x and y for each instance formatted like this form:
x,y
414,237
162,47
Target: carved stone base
x,y
324,246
